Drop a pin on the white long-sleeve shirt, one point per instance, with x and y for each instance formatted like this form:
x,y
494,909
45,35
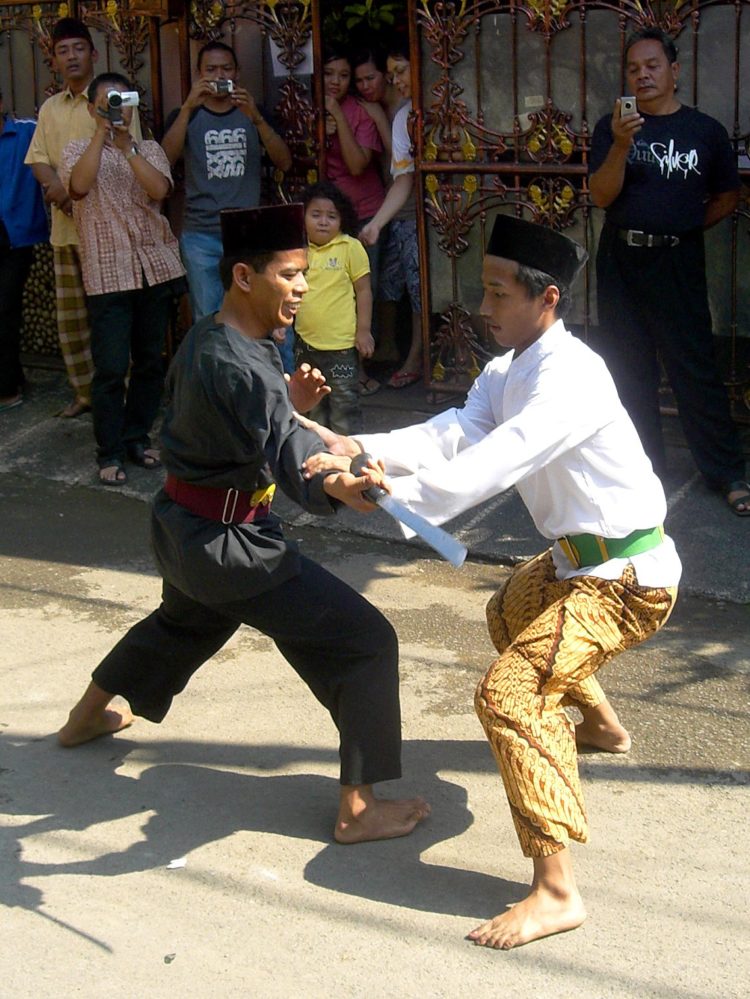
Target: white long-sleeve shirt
x,y
549,422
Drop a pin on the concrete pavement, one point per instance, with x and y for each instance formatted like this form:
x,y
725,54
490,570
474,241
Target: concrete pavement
x,y
239,784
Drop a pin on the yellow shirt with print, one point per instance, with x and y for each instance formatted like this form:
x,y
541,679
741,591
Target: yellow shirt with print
x,y
63,118
327,316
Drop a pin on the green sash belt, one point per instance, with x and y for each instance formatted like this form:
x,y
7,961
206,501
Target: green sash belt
x,y
590,549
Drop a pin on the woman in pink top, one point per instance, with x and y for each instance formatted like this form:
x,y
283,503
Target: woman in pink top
x,y
353,157
353,145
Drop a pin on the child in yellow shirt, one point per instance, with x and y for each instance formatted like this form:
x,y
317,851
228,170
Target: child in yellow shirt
x,y
334,319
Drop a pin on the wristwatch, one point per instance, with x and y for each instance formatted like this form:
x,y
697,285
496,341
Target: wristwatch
x,y
133,151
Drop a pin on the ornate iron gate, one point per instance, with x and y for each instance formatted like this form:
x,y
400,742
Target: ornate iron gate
x,y
509,94
505,100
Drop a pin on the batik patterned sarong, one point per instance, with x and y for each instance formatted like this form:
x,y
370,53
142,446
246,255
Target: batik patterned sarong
x,y
552,636
73,321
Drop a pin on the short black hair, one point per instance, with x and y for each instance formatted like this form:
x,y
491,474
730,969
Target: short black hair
x,y
333,50
258,262
655,35
374,55
70,27
535,282
103,78
399,49
216,47
342,204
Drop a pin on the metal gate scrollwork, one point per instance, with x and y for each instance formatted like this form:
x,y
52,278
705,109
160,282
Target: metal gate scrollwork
x,y
508,96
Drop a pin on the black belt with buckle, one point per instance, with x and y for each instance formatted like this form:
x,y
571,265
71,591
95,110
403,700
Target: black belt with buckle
x,y
636,237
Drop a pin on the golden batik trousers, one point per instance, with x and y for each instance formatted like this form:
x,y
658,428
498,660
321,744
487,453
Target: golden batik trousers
x,y
552,636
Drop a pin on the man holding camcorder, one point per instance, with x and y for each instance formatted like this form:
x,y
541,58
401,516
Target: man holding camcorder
x,y
219,130
131,272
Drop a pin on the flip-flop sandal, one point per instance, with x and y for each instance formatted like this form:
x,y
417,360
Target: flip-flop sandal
x,y
402,379
121,476
743,500
140,455
74,409
368,386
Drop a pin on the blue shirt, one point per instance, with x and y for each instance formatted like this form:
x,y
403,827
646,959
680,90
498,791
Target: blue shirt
x,y
21,203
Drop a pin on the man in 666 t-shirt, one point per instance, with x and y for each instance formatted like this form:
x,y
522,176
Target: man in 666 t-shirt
x,y
221,133
664,173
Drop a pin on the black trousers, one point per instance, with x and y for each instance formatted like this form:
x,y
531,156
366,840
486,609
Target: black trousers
x,y
336,641
653,305
128,329
14,269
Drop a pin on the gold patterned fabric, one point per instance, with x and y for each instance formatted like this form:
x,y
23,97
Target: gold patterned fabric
x,y
552,636
73,321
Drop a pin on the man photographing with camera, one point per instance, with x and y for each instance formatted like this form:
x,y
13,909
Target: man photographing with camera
x,y
221,134
131,272
664,173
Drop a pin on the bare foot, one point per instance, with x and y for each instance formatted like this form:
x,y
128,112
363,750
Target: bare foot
x,y
369,818
541,914
83,726
611,739
601,729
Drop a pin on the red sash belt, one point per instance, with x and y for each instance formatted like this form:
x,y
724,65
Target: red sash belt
x,y
228,506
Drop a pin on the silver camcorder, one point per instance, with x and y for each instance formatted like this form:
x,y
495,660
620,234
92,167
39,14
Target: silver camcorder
x,y
222,86
116,101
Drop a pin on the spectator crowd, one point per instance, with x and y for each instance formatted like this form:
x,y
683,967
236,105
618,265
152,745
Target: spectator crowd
x,y
120,271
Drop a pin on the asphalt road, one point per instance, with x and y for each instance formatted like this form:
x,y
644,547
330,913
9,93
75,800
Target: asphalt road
x,y
239,786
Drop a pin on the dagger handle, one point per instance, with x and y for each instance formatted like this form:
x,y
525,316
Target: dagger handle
x,y
359,463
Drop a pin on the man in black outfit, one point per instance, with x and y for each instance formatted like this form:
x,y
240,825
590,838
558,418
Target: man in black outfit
x,y
664,173
229,437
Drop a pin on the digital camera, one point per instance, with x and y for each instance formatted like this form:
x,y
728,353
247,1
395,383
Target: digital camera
x,y
116,101
222,86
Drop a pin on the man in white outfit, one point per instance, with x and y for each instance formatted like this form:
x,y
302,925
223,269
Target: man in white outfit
x,y
544,417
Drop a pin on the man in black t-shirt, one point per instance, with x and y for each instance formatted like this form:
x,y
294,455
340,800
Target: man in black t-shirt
x,y
664,173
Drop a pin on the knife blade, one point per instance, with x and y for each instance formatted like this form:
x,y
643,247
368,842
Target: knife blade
x,y
444,543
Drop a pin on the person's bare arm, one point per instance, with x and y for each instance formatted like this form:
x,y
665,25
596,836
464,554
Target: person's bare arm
x,y
52,187
173,142
364,341
84,173
395,199
383,125
356,157
273,144
606,183
152,180
719,206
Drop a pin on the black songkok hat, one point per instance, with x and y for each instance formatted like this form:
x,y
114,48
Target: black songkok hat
x,y
537,246
70,27
262,230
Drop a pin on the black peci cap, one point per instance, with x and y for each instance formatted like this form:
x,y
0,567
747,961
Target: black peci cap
x,y
263,230
537,246
70,27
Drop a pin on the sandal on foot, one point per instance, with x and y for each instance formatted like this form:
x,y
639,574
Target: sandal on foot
x,y
14,403
120,476
401,379
145,457
74,409
368,386
743,500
